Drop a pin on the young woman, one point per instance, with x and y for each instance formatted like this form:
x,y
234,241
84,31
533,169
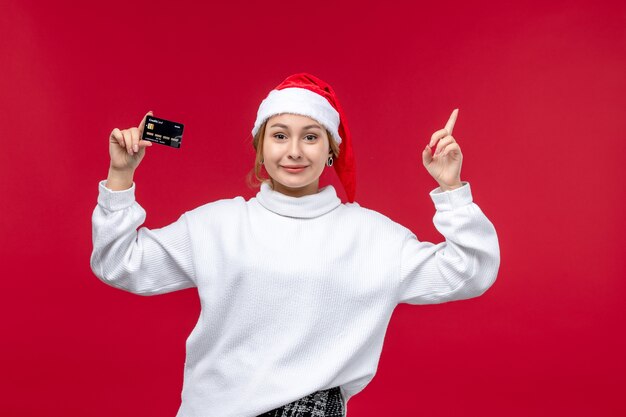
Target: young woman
x,y
296,288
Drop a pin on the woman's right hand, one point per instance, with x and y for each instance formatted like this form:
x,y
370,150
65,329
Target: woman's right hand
x,y
126,147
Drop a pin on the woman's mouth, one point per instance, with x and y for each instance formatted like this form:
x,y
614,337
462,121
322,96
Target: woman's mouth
x,y
294,169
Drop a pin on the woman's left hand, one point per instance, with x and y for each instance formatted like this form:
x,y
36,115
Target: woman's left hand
x,y
445,164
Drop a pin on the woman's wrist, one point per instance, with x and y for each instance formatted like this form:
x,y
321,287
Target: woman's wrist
x,y
446,187
119,180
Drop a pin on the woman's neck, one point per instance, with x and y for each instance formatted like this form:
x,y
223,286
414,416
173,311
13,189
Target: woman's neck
x,y
307,206
310,189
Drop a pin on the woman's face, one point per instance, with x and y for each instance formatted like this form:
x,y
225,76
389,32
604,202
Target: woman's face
x,y
295,151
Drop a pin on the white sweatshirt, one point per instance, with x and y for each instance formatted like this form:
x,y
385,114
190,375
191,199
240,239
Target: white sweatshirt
x,y
296,293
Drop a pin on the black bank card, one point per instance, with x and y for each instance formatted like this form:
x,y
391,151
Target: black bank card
x,y
164,132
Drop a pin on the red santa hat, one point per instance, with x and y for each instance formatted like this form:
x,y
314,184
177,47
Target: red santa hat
x,y
307,95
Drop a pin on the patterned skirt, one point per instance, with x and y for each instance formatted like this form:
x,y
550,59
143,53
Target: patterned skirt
x,y
327,403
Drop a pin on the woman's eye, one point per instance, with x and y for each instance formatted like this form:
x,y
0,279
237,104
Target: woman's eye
x,y
280,136
310,138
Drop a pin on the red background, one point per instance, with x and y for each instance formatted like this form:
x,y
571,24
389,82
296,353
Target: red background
x,y
541,91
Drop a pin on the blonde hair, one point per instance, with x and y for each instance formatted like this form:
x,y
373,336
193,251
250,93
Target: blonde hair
x,y
256,177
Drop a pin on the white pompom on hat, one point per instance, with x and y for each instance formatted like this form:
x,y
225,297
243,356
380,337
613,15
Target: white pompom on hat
x,y
307,95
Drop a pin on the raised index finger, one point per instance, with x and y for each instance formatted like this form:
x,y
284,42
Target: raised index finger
x,y
452,121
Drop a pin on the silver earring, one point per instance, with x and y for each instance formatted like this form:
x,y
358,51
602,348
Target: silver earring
x,y
330,161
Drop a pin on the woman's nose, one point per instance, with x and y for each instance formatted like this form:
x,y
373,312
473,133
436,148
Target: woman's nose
x,y
294,149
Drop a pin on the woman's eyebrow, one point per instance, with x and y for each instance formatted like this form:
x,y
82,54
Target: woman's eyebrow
x,y
304,128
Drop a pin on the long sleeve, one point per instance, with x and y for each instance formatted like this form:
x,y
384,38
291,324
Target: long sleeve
x,y
144,261
464,266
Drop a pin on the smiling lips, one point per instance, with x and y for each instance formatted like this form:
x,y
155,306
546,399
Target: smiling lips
x,y
293,168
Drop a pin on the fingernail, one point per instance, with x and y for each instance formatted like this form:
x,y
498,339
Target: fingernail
x,y
136,147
